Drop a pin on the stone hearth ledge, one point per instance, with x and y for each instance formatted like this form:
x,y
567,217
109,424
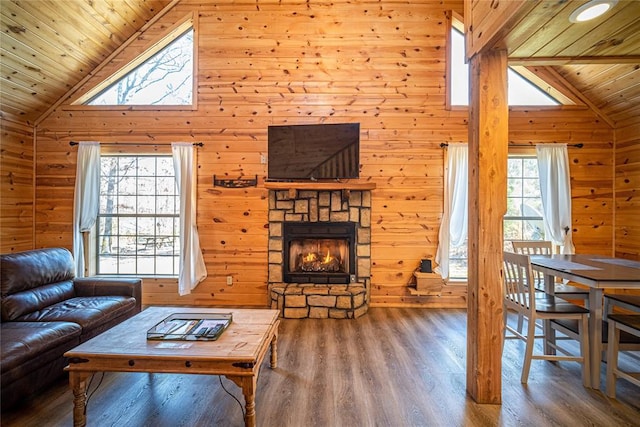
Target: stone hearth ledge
x,y
319,301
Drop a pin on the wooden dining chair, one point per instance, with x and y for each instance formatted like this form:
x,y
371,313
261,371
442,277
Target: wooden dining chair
x,y
522,299
619,323
628,303
545,247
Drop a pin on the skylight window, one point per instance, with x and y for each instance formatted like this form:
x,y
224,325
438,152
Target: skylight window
x,y
166,78
520,90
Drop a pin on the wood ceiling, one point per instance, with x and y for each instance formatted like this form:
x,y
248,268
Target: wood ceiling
x,y
48,47
599,58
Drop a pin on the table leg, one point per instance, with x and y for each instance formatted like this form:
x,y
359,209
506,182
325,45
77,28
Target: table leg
x,y
78,383
595,334
248,386
274,350
549,332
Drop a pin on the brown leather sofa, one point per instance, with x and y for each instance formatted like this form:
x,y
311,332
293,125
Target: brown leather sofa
x,y
46,311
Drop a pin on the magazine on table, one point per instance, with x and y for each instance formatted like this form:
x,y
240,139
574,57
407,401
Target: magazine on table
x,y
191,327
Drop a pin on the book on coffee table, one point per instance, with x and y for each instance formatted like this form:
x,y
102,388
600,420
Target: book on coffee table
x,y
191,327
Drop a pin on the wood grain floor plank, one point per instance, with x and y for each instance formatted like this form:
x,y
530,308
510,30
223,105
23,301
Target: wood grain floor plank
x,y
392,367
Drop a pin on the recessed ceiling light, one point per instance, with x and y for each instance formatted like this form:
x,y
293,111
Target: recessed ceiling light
x,y
591,9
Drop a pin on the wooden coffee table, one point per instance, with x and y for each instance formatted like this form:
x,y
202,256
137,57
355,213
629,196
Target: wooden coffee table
x,y
237,354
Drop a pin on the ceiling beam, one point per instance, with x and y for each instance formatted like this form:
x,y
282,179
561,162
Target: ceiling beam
x,y
555,76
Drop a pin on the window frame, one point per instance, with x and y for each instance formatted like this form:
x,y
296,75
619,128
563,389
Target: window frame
x,y
96,236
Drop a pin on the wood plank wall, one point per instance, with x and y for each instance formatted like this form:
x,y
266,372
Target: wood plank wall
x,y
381,64
627,192
16,187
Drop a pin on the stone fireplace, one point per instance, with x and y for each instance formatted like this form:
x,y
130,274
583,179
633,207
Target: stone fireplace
x,y
319,250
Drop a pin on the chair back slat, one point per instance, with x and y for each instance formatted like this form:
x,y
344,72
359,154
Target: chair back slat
x,y
534,247
517,276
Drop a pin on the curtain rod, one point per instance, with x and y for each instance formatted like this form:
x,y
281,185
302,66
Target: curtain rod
x,y
579,145
72,143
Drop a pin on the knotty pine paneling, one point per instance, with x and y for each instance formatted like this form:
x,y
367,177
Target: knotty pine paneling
x,y
16,187
627,193
380,64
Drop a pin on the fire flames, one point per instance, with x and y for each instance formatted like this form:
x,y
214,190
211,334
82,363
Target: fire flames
x,y
315,262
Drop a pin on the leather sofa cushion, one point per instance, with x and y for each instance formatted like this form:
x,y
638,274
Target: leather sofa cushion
x,y
28,345
30,269
16,305
89,312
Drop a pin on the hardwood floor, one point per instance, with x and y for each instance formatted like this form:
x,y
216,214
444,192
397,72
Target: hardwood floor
x,y
391,367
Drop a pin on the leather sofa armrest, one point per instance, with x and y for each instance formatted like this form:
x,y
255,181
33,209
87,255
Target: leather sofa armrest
x,y
94,286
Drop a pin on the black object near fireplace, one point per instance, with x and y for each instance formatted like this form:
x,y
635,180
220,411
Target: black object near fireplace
x,y
319,252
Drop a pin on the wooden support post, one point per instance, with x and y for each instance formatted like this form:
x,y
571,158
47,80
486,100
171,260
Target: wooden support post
x,y
488,146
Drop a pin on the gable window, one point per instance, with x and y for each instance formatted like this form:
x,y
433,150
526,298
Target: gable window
x,y
161,77
164,79
521,91
138,219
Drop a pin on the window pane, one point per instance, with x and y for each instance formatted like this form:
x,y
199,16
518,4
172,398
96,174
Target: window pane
x,y
166,204
164,226
514,187
513,206
146,166
165,266
531,187
530,167
512,229
514,167
146,204
533,230
127,264
146,265
166,186
108,264
164,79
146,185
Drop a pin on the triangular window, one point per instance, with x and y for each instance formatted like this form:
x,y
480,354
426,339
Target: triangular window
x,y
521,91
163,76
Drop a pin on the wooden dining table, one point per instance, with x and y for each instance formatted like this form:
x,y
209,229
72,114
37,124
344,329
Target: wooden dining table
x,y
598,272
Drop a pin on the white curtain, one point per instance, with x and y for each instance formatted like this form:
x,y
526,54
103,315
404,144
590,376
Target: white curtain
x,y
86,198
192,267
453,229
555,189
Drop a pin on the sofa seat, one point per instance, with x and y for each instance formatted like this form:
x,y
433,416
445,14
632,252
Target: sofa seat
x,y
21,371
93,314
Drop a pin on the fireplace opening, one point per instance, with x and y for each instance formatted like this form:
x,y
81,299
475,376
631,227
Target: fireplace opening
x,y
319,255
318,252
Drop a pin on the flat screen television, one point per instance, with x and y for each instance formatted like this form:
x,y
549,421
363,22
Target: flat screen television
x,y
313,152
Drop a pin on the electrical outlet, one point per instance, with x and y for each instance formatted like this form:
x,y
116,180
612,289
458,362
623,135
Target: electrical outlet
x,y
263,159
229,280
